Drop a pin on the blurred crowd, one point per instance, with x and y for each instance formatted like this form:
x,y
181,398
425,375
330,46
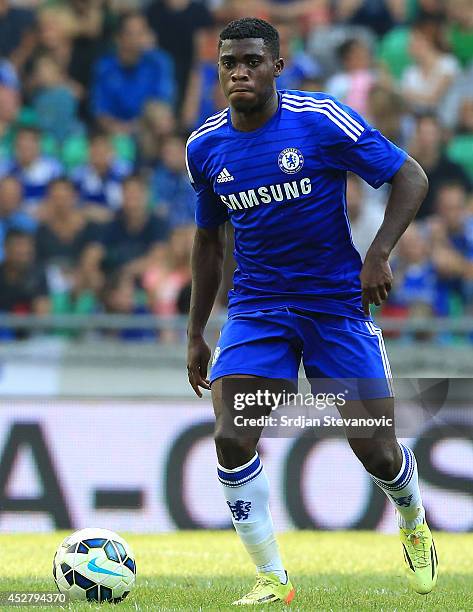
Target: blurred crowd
x,y
97,98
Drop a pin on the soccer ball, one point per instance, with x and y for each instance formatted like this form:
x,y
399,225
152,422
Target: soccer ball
x,y
94,565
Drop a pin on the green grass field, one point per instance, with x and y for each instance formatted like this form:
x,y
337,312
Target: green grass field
x,y
208,570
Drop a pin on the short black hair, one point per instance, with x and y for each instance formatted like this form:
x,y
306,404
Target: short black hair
x,y
452,184
346,48
114,280
14,232
60,180
135,177
25,128
98,133
10,177
252,27
124,18
429,115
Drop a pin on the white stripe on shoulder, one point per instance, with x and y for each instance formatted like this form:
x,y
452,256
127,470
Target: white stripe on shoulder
x,y
196,135
211,121
330,102
215,115
191,178
322,111
350,125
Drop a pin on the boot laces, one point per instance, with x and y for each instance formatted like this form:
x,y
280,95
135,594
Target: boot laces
x,y
261,581
420,550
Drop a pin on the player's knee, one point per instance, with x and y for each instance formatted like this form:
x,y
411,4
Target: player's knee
x,y
231,451
380,458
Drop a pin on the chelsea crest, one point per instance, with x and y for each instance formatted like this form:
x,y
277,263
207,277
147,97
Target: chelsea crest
x,y
290,160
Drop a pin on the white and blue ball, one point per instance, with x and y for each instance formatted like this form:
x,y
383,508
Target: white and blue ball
x,y
94,565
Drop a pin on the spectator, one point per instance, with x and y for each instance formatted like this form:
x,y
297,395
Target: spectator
x,y
460,30
99,182
17,33
61,243
312,84
452,210
235,9
103,242
156,124
147,73
365,219
9,107
183,302
23,287
352,85
299,65
386,111
202,89
465,120
460,145
427,148
170,187
11,215
135,236
429,9
119,297
309,13
169,274
425,83
54,39
415,289
167,278
176,24
64,234
451,235
88,35
34,170
451,108
54,101
379,15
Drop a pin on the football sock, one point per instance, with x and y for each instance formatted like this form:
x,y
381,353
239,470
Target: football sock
x,y
403,492
246,489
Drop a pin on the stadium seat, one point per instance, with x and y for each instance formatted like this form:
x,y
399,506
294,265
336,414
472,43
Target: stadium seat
x,y
62,303
75,152
125,147
49,145
412,9
460,150
393,51
27,116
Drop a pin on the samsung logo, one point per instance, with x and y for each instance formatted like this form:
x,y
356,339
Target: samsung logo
x,y
265,195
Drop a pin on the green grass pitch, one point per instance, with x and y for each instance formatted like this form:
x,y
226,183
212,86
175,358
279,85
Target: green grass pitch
x,y
208,570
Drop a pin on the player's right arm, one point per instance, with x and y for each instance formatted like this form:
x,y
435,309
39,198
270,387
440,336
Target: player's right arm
x,y
206,266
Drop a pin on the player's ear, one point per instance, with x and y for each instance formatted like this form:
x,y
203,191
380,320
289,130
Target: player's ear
x,y
278,67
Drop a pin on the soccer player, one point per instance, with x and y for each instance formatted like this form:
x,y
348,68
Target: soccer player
x,y
274,164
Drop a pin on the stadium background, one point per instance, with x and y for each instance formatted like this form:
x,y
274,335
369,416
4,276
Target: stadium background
x,y
98,425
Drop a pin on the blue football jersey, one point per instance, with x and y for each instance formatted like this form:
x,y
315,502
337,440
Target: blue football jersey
x,y
283,187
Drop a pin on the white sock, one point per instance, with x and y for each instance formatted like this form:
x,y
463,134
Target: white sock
x,y
403,492
246,489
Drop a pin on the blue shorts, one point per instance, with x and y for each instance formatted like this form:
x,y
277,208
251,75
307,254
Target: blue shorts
x,y
272,343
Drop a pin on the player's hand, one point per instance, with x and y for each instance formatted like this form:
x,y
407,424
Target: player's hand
x,y
198,357
376,280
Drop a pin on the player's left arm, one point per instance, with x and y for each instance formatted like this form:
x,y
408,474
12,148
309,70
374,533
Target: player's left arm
x,y
409,188
349,143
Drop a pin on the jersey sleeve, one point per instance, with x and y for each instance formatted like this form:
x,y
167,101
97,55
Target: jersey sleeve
x,y
349,143
209,211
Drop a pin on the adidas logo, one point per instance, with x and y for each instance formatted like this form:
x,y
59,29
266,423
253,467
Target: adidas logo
x,y
225,177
